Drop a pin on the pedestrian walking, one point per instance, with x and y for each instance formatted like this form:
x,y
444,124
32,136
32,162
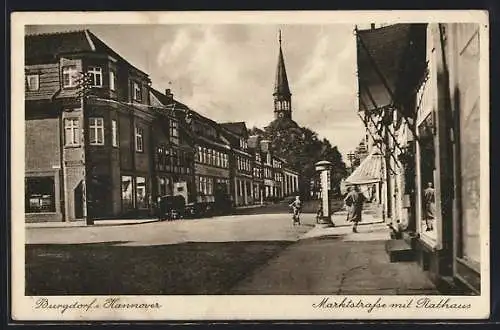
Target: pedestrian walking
x,y
354,201
296,206
429,206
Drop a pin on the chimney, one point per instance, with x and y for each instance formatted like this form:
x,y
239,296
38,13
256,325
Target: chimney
x,y
372,26
169,95
264,145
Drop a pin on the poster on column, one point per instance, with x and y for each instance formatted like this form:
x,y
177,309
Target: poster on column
x,y
223,244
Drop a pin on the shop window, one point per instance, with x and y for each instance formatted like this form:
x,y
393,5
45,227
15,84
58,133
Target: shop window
x,y
140,193
428,194
470,148
40,195
127,191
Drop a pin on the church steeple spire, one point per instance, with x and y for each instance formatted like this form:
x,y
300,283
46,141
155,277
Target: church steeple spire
x,y
282,95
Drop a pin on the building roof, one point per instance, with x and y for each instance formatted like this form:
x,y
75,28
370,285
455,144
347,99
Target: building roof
x,y
238,128
398,53
161,100
283,124
52,45
281,86
369,171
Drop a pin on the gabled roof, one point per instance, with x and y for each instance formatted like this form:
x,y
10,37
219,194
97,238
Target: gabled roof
x,y
161,100
238,128
52,45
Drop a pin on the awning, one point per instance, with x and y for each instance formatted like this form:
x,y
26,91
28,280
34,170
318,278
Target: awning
x,y
391,65
369,171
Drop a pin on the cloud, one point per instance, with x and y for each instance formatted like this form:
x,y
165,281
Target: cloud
x,y
227,73
211,74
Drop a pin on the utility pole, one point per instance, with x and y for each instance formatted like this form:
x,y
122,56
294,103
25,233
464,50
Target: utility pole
x,y
84,87
387,164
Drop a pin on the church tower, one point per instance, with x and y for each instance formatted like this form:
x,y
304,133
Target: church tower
x,y
282,95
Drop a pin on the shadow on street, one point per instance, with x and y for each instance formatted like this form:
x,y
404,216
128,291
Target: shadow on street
x,y
111,269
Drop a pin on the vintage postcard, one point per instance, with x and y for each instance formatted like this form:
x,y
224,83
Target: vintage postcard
x,y
250,165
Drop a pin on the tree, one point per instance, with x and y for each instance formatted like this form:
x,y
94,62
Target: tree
x,y
302,148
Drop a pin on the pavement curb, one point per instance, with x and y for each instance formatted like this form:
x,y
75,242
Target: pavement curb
x,y
96,224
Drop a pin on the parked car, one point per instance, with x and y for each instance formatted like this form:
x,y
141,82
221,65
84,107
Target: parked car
x,y
171,207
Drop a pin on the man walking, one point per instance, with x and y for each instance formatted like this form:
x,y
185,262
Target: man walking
x,y
429,206
355,200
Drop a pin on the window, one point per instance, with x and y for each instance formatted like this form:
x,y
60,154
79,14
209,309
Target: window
x,y
40,195
243,143
71,132
139,139
114,133
112,80
95,74
70,76
137,91
33,82
140,193
198,154
174,131
96,130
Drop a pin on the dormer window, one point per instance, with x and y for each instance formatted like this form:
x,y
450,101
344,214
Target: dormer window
x,y
137,91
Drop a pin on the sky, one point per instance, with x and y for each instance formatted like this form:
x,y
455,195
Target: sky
x,y
226,72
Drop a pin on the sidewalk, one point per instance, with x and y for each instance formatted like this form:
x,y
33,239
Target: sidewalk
x,y
81,223
334,260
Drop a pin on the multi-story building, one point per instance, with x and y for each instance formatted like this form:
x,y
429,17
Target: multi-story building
x,y
268,170
258,169
88,144
277,163
241,163
290,181
102,143
173,143
212,159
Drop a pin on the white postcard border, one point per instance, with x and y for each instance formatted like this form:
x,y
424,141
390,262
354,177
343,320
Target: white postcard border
x,y
234,307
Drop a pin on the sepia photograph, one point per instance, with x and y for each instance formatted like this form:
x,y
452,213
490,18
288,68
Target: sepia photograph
x,y
224,165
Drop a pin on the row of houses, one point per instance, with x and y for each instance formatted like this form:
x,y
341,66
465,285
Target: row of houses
x,y
100,139
419,98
